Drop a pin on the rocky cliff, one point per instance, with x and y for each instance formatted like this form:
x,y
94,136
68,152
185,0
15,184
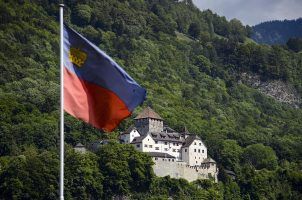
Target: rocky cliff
x,y
277,89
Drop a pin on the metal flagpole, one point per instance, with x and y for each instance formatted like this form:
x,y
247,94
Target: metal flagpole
x,y
61,105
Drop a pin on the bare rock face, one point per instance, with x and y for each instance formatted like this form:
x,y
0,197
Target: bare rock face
x,y
277,89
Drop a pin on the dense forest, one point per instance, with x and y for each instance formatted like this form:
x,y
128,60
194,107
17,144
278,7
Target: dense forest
x,y
277,31
190,63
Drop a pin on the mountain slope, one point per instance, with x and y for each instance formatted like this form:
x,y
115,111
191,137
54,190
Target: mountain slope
x,y
189,61
277,32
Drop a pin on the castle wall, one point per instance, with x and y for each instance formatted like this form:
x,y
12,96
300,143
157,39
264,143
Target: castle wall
x,y
149,125
167,167
142,126
156,125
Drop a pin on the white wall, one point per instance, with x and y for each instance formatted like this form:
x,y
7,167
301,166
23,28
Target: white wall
x,y
134,133
129,137
185,154
196,153
172,148
193,155
148,144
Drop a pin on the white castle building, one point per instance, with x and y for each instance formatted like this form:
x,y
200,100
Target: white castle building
x,y
179,155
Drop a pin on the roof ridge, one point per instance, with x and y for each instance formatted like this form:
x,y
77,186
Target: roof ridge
x,y
148,113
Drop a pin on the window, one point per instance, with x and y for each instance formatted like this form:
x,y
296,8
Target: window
x,y
198,150
196,162
172,160
145,145
199,144
194,143
163,159
155,158
194,150
138,145
169,159
156,148
186,150
156,142
173,144
176,144
166,143
174,150
166,149
202,151
150,146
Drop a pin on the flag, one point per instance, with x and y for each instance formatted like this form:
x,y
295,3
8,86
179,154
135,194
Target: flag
x,y
96,89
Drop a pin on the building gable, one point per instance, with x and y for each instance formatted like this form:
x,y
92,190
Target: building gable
x,y
128,136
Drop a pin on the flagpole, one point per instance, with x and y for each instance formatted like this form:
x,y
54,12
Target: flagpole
x,y
61,105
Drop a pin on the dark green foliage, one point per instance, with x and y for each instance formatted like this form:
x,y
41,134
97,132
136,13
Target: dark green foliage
x,y
230,154
29,176
189,61
194,30
277,32
163,188
260,156
295,44
124,169
81,14
83,176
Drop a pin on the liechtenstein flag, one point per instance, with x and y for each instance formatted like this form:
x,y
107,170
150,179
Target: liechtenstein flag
x,y
96,89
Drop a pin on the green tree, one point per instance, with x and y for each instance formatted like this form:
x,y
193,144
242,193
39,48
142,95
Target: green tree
x,y
30,176
82,14
294,44
83,177
194,30
230,154
124,169
260,156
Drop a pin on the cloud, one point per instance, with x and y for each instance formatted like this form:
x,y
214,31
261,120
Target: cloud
x,y
252,12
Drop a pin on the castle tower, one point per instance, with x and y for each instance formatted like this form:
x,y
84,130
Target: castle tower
x,y
185,132
149,121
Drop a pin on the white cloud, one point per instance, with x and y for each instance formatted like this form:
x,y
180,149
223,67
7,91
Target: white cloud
x,y
253,11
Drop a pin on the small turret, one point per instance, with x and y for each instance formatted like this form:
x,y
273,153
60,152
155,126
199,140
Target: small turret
x,y
185,132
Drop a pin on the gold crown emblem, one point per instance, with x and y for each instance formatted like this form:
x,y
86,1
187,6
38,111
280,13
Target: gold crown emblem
x,y
77,56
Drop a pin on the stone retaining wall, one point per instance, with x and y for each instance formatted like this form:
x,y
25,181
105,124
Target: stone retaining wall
x,y
164,167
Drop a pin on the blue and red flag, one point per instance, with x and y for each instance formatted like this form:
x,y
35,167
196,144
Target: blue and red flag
x,y
96,89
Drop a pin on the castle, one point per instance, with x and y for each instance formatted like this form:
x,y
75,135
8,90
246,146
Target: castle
x,y
179,155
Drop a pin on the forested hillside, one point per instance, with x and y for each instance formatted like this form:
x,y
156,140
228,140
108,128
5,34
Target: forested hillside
x,y
277,32
190,63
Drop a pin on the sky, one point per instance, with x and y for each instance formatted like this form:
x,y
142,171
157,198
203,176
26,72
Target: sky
x,y
252,12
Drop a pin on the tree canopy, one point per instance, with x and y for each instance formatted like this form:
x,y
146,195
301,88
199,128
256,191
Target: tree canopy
x,y
189,61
